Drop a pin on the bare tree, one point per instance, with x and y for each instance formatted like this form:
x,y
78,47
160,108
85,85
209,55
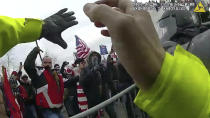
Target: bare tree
x,y
8,61
54,59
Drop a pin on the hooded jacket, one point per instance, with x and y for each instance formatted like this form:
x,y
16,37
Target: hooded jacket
x,y
93,79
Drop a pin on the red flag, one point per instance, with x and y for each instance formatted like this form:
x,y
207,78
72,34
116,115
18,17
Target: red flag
x,y
11,101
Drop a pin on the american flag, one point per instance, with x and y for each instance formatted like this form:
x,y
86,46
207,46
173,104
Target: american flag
x,y
82,48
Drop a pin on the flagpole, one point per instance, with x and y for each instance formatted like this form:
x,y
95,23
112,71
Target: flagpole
x,y
104,57
39,51
3,94
74,56
2,79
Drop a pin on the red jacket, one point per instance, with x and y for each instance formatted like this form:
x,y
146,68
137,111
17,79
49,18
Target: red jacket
x,y
50,95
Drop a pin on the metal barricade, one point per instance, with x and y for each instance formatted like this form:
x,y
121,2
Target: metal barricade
x,y
104,104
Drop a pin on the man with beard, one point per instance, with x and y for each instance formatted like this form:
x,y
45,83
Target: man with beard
x,y
48,84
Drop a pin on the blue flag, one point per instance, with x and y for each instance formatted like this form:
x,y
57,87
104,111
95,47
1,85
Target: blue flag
x,y
103,50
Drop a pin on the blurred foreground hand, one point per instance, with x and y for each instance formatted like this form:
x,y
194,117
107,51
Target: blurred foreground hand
x,y
133,36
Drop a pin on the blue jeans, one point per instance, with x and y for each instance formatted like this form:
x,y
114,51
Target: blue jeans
x,y
46,113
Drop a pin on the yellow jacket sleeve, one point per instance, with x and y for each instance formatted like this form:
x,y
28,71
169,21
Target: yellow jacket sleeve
x,y
182,89
17,30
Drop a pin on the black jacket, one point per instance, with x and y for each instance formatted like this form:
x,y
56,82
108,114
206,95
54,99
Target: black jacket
x,y
124,78
112,76
36,74
91,81
31,93
94,80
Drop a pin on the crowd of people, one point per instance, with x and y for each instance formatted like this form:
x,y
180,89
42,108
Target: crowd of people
x,y
79,86
151,5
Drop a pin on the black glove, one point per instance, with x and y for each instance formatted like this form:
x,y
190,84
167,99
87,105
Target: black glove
x,y
54,25
65,63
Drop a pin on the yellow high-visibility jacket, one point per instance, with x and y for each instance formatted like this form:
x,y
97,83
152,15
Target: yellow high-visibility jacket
x,y
18,30
182,89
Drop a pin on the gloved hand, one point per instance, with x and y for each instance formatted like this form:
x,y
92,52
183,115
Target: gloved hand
x,y
37,49
54,25
65,63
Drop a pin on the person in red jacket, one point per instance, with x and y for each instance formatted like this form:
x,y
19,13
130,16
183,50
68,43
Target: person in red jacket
x,y
48,84
11,94
18,90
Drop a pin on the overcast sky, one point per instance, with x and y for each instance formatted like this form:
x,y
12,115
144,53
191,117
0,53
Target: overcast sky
x,y
44,8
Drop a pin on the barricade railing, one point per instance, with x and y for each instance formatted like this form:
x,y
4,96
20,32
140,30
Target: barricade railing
x,y
103,104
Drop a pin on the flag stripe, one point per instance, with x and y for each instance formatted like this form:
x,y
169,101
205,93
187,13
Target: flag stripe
x,y
82,48
82,99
